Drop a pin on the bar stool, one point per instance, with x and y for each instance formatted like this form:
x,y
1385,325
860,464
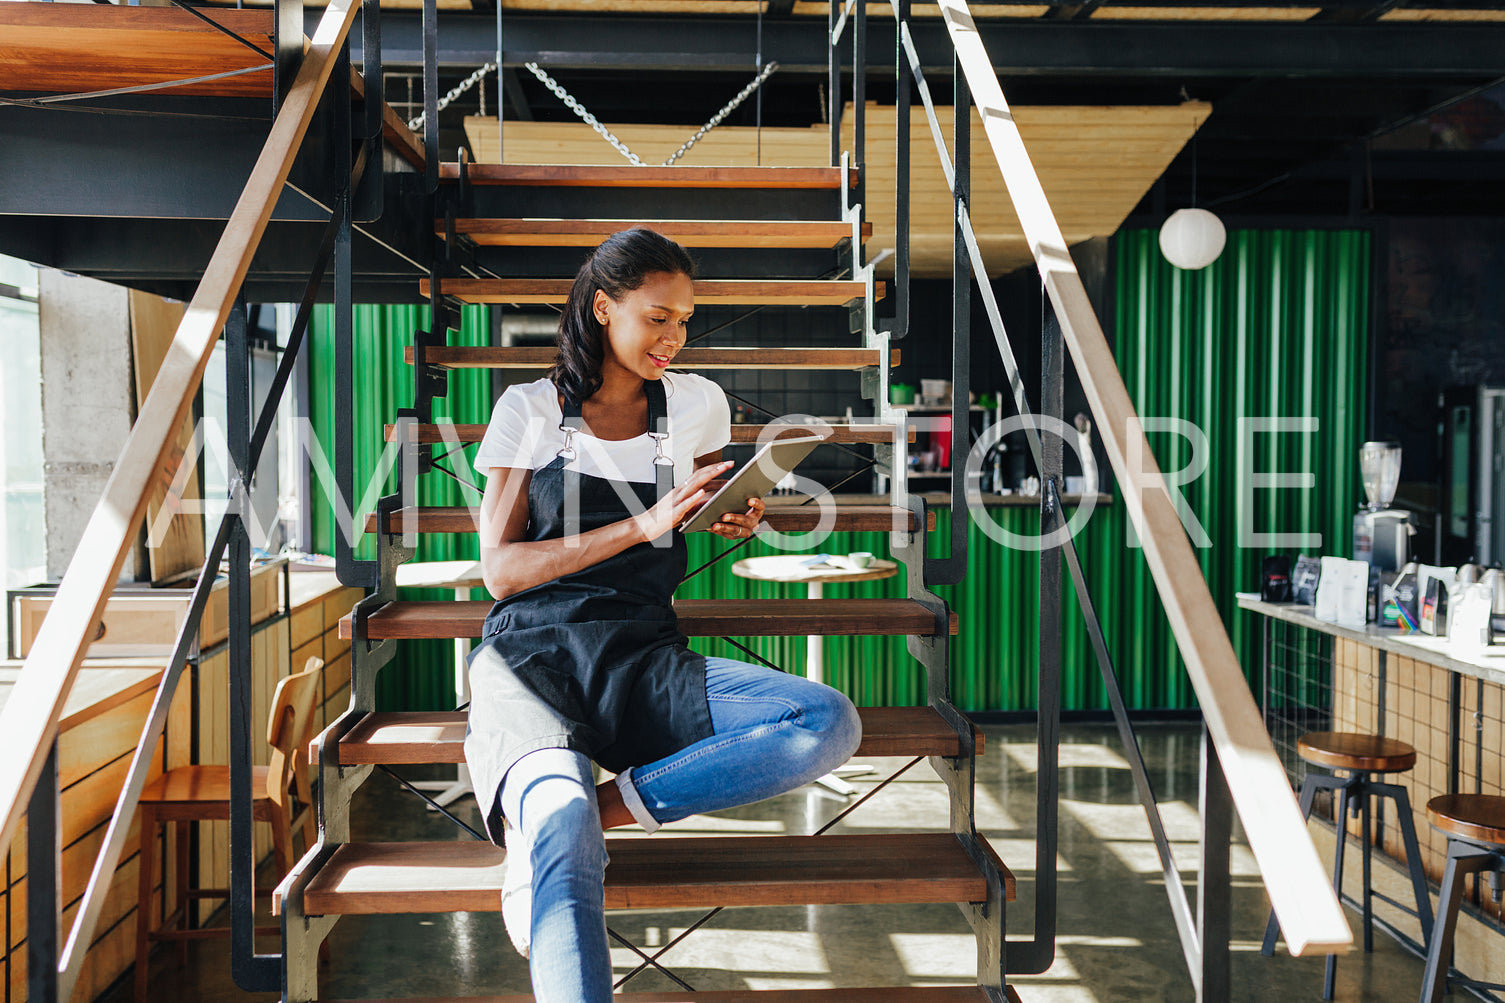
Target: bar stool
x,y
1475,826
1360,755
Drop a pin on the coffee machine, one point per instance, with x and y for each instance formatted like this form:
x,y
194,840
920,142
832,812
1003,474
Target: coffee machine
x,y
1381,534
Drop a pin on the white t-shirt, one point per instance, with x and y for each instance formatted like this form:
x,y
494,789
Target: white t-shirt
x,y
524,432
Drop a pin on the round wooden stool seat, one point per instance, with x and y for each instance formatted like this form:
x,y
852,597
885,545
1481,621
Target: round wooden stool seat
x,y
1347,750
1479,817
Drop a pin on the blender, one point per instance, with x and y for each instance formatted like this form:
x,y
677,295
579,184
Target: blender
x,y
1381,534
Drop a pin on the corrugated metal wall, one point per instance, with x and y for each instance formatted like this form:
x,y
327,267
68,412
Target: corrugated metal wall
x,y
1278,327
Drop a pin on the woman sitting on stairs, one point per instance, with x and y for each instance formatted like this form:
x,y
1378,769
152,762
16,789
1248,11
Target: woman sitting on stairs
x,y
588,472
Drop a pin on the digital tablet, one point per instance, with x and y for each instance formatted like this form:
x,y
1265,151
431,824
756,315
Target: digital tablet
x,y
755,478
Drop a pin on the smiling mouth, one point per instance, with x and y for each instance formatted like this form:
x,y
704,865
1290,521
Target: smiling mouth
x,y
661,360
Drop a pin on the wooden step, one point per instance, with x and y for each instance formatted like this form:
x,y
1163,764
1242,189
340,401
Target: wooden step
x,y
741,292
875,994
784,518
848,434
662,873
697,618
584,176
750,233
542,357
412,737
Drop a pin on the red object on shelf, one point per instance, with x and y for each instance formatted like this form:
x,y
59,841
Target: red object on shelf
x,y
940,441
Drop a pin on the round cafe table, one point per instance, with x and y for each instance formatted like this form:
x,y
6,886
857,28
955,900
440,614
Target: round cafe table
x,y
815,574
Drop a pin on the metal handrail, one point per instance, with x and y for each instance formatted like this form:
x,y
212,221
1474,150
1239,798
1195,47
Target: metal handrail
x,y
30,718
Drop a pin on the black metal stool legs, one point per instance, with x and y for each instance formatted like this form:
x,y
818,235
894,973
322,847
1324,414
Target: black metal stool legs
x,y
1353,794
1464,858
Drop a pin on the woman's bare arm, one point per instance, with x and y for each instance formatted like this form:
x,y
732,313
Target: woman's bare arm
x,y
510,563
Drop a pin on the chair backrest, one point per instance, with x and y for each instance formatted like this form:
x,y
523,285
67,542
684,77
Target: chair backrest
x,y
291,725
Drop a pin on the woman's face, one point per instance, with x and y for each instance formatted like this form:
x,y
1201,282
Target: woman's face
x,y
646,328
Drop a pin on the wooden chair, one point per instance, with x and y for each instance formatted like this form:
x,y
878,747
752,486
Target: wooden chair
x,y
202,794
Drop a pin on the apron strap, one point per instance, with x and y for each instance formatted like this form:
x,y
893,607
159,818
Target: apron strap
x,y
658,429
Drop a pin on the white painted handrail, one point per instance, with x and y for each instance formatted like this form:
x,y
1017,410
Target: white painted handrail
x,y
1310,917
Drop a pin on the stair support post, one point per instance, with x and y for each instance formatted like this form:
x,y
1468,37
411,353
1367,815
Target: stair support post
x,y
1214,892
252,972
44,851
899,326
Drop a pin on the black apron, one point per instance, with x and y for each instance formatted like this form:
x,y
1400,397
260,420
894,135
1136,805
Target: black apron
x,y
594,660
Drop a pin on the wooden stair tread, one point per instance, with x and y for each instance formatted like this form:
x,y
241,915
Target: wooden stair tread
x,y
542,357
697,618
663,873
756,233
783,518
576,176
411,737
849,434
875,994
767,292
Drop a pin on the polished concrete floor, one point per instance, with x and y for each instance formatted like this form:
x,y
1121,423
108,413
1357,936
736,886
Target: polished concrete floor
x,y
1116,939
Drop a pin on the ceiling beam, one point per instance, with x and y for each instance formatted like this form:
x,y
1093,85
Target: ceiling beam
x,y
1040,48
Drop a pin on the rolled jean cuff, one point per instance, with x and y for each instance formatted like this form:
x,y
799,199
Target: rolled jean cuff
x,y
634,803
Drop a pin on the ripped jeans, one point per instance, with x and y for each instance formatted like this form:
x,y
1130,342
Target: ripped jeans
x,y
773,733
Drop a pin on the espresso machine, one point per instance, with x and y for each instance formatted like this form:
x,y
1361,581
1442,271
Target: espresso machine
x,y
1381,534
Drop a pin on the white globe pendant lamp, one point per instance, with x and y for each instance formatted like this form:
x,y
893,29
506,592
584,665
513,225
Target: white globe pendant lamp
x,y
1192,238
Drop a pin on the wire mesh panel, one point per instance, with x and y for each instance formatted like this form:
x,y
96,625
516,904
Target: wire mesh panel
x,y
1299,675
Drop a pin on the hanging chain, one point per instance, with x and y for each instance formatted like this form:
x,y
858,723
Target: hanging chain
x,y
585,116
731,106
460,88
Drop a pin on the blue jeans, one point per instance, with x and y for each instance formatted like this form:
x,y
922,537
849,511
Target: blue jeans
x,y
773,733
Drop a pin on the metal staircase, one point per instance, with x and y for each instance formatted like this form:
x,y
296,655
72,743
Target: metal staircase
x,y
340,877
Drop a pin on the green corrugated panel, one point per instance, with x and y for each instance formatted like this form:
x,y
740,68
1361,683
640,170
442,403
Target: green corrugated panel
x,y
422,676
1278,327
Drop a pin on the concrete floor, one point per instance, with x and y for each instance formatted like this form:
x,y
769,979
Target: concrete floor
x,y
1116,942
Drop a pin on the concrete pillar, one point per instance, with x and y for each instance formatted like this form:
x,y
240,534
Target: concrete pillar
x,y
88,405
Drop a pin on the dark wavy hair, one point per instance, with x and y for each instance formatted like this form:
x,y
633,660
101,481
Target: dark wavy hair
x,y
621,264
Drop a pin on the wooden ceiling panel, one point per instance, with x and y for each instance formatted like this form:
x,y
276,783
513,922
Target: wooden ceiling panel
x,y
1422,14
1109,12
1096,163
69,48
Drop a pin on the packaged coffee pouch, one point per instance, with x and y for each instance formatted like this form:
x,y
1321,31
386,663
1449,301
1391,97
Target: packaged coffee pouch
x,y
1434,608
1400,608
1304,579
1275,579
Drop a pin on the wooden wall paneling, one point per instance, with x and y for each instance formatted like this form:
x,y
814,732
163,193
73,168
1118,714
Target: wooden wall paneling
x,y
86,748
337,674
339,604
180,544
113,949
179,735
307,624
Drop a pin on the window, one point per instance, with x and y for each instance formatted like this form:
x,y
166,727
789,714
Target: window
x,y
23,539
